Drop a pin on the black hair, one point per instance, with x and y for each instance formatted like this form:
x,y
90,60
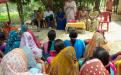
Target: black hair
x,y
101,54
73,35
59,45
51,36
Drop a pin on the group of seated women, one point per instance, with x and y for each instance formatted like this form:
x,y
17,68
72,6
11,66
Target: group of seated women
x,y
22,54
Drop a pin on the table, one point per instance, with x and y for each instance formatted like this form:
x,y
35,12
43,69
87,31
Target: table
x,y
80,25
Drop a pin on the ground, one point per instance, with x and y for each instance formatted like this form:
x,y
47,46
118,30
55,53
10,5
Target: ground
x,y
113,36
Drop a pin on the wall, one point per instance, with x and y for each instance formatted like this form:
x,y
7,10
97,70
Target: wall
x,y
119,7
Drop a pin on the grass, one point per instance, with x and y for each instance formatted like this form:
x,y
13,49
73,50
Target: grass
x,y
4,16
13,15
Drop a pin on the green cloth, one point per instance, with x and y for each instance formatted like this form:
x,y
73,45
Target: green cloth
x,y
52,46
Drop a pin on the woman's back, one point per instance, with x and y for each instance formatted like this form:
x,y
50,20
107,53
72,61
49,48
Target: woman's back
x,y
64,63
14,61
93,67
79,47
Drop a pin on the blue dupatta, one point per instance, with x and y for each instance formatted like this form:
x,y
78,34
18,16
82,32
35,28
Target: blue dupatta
x,y
13,41
32,64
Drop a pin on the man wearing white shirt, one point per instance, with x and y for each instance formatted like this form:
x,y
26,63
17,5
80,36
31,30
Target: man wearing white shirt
x,y
49,16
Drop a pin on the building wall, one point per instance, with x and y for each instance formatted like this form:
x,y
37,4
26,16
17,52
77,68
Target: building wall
x,y
119,7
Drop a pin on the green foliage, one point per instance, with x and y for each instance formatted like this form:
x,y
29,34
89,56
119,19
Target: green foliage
x,y
4,16
24,2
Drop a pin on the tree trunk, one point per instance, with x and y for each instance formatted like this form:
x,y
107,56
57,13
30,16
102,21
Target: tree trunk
x,y
8,12
20,11
97,5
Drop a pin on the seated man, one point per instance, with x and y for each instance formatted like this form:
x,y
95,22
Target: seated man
x,y
49,17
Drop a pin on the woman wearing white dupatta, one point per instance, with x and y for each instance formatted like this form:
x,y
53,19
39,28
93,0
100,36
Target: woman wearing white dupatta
x,y
27,40
70,9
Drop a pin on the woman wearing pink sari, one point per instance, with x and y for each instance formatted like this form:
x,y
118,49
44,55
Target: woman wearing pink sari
x,y
93,67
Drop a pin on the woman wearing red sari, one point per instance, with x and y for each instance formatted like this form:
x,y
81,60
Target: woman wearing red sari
x,y
7,28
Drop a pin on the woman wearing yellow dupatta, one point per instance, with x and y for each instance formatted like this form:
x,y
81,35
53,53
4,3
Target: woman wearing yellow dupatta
x,y
64,63
98,40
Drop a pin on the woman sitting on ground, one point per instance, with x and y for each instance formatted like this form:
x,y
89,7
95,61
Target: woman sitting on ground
x,y
65,63
98,40
59,45
22,62
49,45
26,29
95,65
27,40
78,44
13,41
7,28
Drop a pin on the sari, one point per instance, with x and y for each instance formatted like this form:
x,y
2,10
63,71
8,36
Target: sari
x,y
93,67
64,63
34,38
118,67
96,41
79,47
25,29
7,28
27,40
49,55
13,41
61,21
19,62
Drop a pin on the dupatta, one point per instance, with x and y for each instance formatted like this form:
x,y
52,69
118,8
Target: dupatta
x,y
64,63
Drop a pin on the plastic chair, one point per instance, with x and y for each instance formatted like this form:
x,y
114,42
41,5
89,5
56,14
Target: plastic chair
x,y
104,19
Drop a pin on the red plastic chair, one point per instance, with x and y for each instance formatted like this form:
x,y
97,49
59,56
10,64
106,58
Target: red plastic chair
x,y
104,18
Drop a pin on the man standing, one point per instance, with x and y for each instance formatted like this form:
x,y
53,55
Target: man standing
x,y
70,9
